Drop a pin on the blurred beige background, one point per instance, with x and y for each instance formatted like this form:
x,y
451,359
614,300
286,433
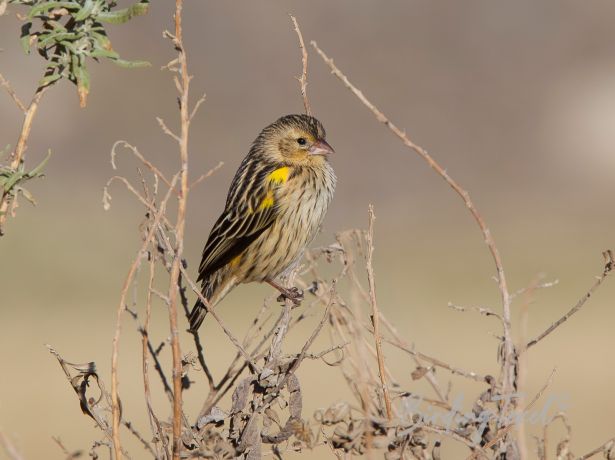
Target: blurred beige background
x,y
516,99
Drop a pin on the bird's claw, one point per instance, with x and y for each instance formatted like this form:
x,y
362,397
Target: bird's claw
x,y
294,294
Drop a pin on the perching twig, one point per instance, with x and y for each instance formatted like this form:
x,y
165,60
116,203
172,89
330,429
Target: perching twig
x,y
213,313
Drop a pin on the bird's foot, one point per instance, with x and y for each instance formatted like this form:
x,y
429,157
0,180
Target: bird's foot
x,y
294,294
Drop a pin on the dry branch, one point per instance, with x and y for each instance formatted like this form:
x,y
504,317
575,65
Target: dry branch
x,y
304,62
376,312
265,415
608,268
120,309
9,448
509,354
17,156
183,88
11,92
608,449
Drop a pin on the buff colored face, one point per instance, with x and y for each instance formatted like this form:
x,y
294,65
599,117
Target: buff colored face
x,y
301,146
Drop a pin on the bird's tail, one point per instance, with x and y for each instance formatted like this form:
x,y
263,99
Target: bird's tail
x,y
197,315
214,290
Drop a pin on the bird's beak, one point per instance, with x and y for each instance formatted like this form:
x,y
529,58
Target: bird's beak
x,y
320,147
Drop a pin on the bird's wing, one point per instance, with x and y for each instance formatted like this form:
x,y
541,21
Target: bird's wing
x,y
250,210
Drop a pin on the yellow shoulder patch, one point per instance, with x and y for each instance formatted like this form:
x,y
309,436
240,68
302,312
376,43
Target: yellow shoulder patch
x,y
280,175
277,177
267,201
235,261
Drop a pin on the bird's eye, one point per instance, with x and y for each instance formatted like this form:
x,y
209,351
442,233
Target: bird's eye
x,y
301,141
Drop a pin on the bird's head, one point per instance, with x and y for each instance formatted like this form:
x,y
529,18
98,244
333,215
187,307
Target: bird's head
x,y
295,139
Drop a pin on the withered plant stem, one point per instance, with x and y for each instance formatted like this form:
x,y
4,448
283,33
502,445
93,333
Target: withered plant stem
x,y
376,312
17,156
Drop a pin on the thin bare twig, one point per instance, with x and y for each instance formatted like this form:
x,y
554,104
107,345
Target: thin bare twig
x,y
598,449
167,130
154,422
306,346
11,92
9,448
17,156
216,317
131,189
197,105
183,89
545,285
137,435
436,362
545,445
486,311
68,455
503,431
120,309
143,160
508,361
304,61
376,312
608,268
204,176
522,366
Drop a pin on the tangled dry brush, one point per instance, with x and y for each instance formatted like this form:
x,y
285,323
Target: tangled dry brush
x,y
255,408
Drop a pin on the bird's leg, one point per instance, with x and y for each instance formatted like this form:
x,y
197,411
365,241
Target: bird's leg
x,y
295,294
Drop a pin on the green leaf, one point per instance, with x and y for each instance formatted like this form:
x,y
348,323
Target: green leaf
x,y
25,37
49,79
57,26
125,14
83,84
101,40
85,11
47,6
12,179
102,53
56,37
39,168
77,32
131,64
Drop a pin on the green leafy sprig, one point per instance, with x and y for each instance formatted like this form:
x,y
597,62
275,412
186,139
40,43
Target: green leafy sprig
x,y
11,180
67,33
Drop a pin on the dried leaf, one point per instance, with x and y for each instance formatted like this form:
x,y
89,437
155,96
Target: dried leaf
x,y
273,415
215,415
419,372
